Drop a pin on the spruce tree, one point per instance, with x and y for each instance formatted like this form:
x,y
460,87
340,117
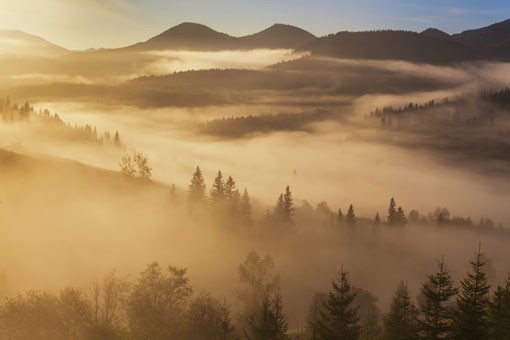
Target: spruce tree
x,y
437,306
351,216
246,208
218,189
499,313
288,203
339,319
377,219
196,190
230,188
268,322
471,314
401,322
392,212
400,216
340,216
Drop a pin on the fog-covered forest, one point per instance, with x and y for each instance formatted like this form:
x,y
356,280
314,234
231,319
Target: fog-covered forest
x,y
277,185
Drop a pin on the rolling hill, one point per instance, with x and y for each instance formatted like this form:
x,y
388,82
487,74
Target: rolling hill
x,y
390,45
20,43
197,37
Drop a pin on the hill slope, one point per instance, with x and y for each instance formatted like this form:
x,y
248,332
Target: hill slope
x,y
489,36
390,45
191,36
21,43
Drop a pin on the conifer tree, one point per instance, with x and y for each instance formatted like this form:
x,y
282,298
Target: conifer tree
x,y
230,188
499,313
227,330
340,216
392,212
351,216
437,306
370,328
246,208
471,314
218,189
401,322
196,190
400,216
339,320
268,322
377,219
288,203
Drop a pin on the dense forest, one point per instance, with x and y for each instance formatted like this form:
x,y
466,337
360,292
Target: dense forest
x,y
49,125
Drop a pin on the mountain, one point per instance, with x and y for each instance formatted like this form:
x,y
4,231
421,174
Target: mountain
x,y
435,33
187,36
390,45
197,37
21,43
277,36
489,36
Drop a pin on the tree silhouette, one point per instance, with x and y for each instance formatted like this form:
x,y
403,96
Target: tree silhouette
x,y
401,322
339,319
437,307
351,216
196,189
471,314
218,189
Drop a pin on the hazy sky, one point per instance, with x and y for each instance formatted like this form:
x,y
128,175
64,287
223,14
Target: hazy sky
x,y
80,24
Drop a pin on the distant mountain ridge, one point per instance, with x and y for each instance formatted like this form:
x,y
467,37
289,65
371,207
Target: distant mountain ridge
x,y
21,43
430,46
192,36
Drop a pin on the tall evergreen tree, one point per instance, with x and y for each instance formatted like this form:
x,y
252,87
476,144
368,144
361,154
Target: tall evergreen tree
x,y
392,212
471,314
230,188
196,190
288,203
438,292
268,322
339,320
351,216
400,216
218,189
340,216
499,313
401,322
377,219
246,208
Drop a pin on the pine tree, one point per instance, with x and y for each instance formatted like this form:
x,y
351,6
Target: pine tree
x,y
227,330
471,314
401,322
377,219
268,322
437,306
339,320
400,216
370,328
230,188
351,216
196,190
499,313
340,216
246,208
392,212
288,203
218,189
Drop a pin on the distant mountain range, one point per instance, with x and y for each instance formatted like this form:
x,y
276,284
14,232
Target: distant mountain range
x,y
429,46
21,43
190,36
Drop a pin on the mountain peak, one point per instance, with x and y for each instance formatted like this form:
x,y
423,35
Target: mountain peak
x,y
435,33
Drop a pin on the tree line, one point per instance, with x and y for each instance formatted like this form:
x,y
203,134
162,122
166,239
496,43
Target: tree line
x,y
55,126
160,304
